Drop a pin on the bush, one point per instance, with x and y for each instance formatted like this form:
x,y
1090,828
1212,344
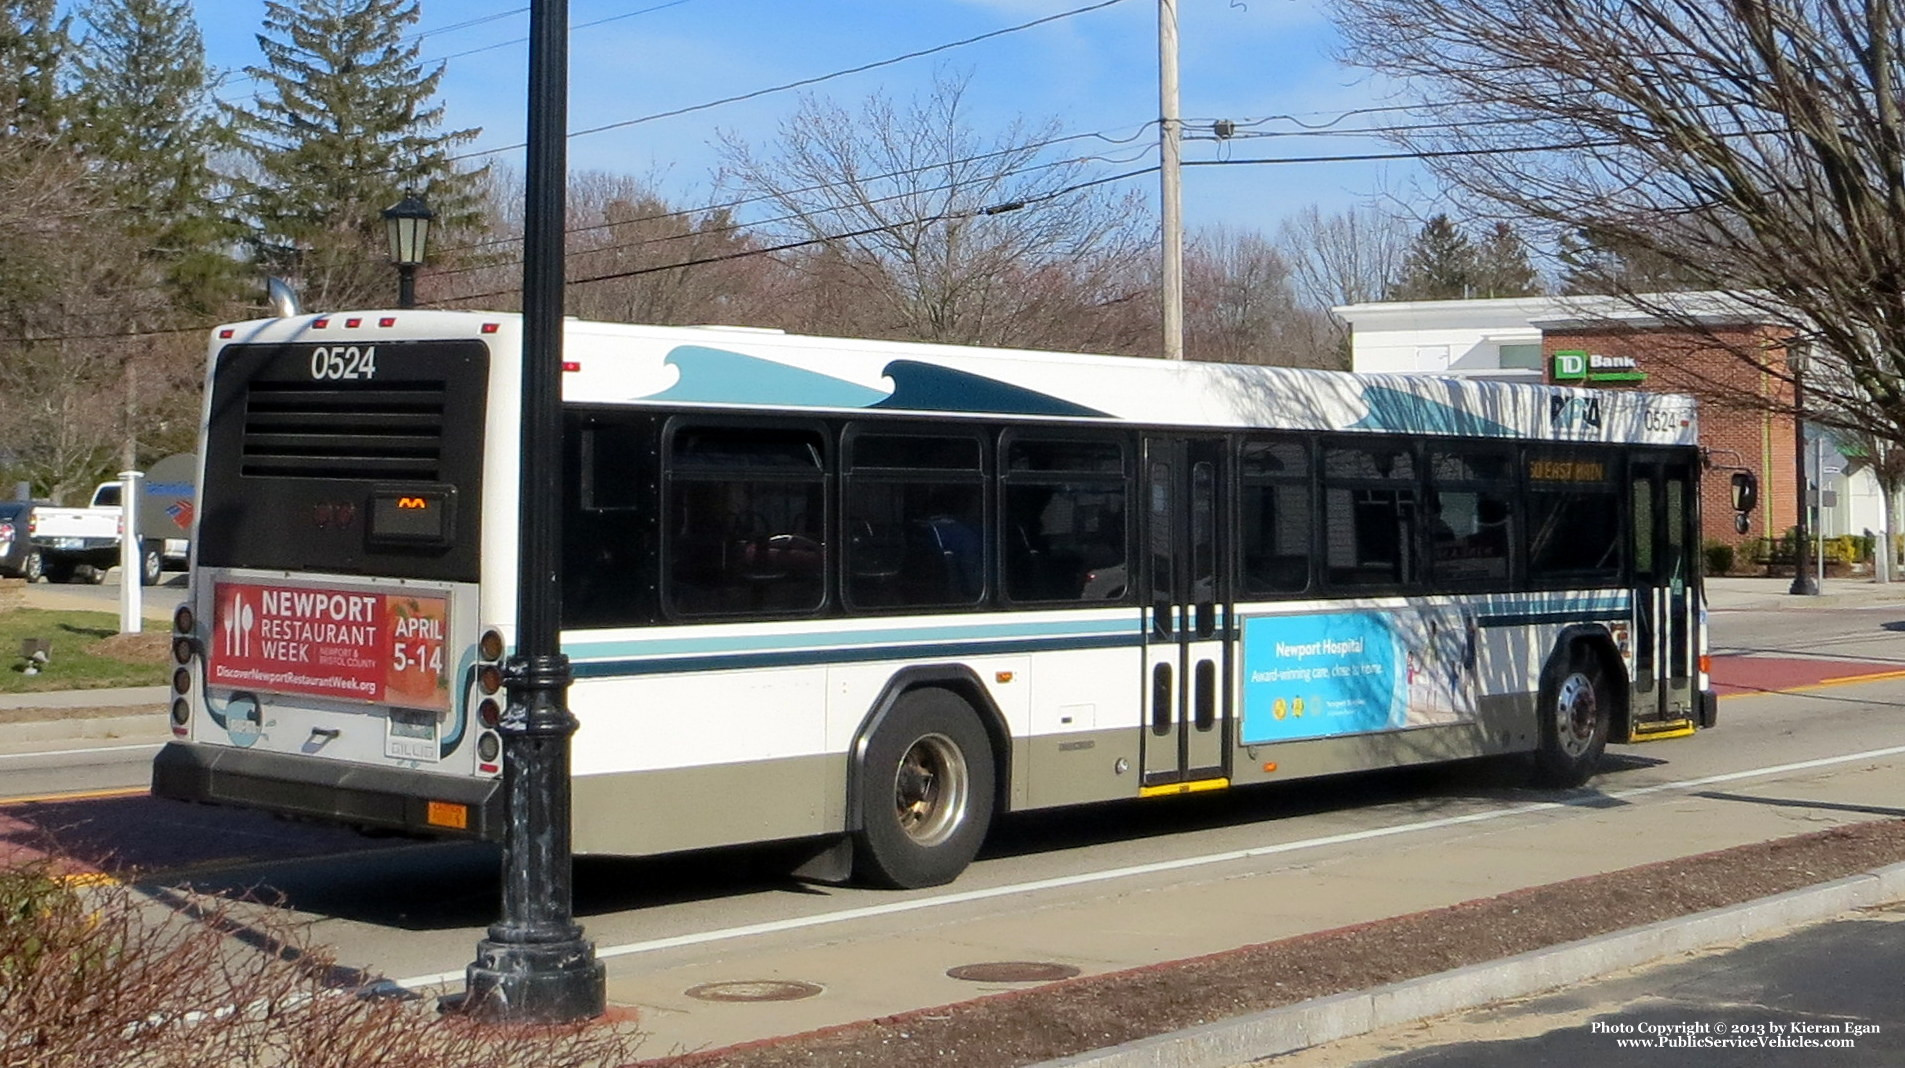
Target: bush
x,y
1719,558
101,973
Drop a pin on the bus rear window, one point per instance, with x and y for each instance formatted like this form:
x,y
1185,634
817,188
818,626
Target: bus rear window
x,y
301,462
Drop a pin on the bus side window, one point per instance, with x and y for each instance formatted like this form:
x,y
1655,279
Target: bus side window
x,y
1064,528
915,520
1277,517
1370,516
745,516
1574,517
608,530
1471,515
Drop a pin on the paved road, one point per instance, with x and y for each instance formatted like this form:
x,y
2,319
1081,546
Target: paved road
x,y
1122,887
1826,994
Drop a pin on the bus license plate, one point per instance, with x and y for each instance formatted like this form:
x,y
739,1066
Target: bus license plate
x,y
411,735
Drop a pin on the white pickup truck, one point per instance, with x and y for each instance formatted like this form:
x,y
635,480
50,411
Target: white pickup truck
x,y
80,544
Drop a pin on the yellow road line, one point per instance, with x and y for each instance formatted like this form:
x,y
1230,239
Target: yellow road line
x,y
1822,684
1873,677
76,795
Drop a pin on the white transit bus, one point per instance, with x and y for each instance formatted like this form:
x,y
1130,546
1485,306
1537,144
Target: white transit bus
x,y
869,595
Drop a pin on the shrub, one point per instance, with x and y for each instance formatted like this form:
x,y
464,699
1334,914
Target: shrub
x,y
103,973
1719,558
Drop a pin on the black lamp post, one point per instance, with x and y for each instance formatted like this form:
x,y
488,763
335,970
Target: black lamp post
x,y
408,223
1804,582
535,966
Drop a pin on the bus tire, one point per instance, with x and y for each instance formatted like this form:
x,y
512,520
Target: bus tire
x,y
926,792
151,563
1576,711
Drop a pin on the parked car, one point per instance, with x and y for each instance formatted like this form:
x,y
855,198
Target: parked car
x,y
19,557
82,544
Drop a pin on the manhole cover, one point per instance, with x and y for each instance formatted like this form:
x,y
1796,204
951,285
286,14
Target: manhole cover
x,y
754,990
1013,971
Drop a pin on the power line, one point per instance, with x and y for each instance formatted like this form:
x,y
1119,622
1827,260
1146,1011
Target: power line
x,y
995,209
439,31
744,201
1369,157
690,235
815,80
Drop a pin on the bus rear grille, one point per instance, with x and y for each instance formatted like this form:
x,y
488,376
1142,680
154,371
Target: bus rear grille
x,y
307,430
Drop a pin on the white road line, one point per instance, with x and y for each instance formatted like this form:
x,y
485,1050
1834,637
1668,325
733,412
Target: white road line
x,y
82,752
1086,878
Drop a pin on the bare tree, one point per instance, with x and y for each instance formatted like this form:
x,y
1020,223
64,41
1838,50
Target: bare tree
x,y
1241,307
1750,146
1350,257
69,287
640,260
940,234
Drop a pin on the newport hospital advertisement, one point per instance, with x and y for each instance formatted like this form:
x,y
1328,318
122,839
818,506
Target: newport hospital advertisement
x,y
1314,676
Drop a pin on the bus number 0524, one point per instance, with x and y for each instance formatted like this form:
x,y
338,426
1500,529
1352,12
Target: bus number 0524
x,y
344,362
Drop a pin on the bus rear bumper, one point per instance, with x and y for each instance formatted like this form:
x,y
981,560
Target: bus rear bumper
x,y
380,798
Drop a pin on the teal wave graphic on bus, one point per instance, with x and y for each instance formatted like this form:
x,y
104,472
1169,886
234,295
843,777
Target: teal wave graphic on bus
x,y
1408,413
717,376
1313,676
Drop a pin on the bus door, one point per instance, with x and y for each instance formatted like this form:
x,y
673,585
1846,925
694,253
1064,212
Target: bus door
x,y
1666,600
1187,618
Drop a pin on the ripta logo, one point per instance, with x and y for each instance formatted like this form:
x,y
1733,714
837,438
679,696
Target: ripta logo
x,y
1572,413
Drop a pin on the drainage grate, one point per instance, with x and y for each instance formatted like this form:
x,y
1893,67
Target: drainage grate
x,y
755,990
1013,971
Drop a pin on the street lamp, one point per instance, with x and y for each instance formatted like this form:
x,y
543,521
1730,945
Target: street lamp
x,y
535,966
408,223
1798,352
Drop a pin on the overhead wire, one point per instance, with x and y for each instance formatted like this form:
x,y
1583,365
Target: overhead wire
x,y
994,209
802,83
762,223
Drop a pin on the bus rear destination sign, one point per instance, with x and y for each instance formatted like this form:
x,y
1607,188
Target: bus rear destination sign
x,y
383,648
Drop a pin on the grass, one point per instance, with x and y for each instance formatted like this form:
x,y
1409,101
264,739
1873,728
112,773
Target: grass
x,y
85,654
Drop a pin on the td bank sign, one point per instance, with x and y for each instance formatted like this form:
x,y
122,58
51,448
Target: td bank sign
x,y
1579,366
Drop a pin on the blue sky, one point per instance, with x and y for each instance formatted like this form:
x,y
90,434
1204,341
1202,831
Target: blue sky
x,y
1094,72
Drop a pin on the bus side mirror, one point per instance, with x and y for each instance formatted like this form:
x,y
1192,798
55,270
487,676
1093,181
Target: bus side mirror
x,y
1745,492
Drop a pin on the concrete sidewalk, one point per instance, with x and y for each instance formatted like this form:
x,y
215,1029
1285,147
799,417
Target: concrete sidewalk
x,y
1732,593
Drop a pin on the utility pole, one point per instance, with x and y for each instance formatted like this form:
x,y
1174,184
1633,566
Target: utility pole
x,y
535,966
1171,201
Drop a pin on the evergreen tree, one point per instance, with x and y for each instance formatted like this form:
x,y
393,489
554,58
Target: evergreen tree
x,y
1595,262
1502,268
1440,265
34,40
344,126
148,132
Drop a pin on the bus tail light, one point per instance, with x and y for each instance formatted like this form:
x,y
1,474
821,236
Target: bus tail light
x,y
490,648
1706,664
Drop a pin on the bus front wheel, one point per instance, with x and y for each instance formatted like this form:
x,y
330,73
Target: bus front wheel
x,y
926,792
1575,713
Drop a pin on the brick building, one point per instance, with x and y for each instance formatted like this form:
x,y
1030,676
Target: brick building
x,y
1599,342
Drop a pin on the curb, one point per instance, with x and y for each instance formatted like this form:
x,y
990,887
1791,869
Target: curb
x,y
1312,1023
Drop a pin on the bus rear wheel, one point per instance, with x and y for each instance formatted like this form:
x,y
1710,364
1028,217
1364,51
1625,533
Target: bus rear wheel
x,y
1575,716
926,793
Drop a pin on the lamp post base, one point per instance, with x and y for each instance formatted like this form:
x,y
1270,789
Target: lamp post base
x,y
1804,585
547,982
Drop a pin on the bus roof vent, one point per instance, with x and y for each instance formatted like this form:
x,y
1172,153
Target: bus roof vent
x,y
307,430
